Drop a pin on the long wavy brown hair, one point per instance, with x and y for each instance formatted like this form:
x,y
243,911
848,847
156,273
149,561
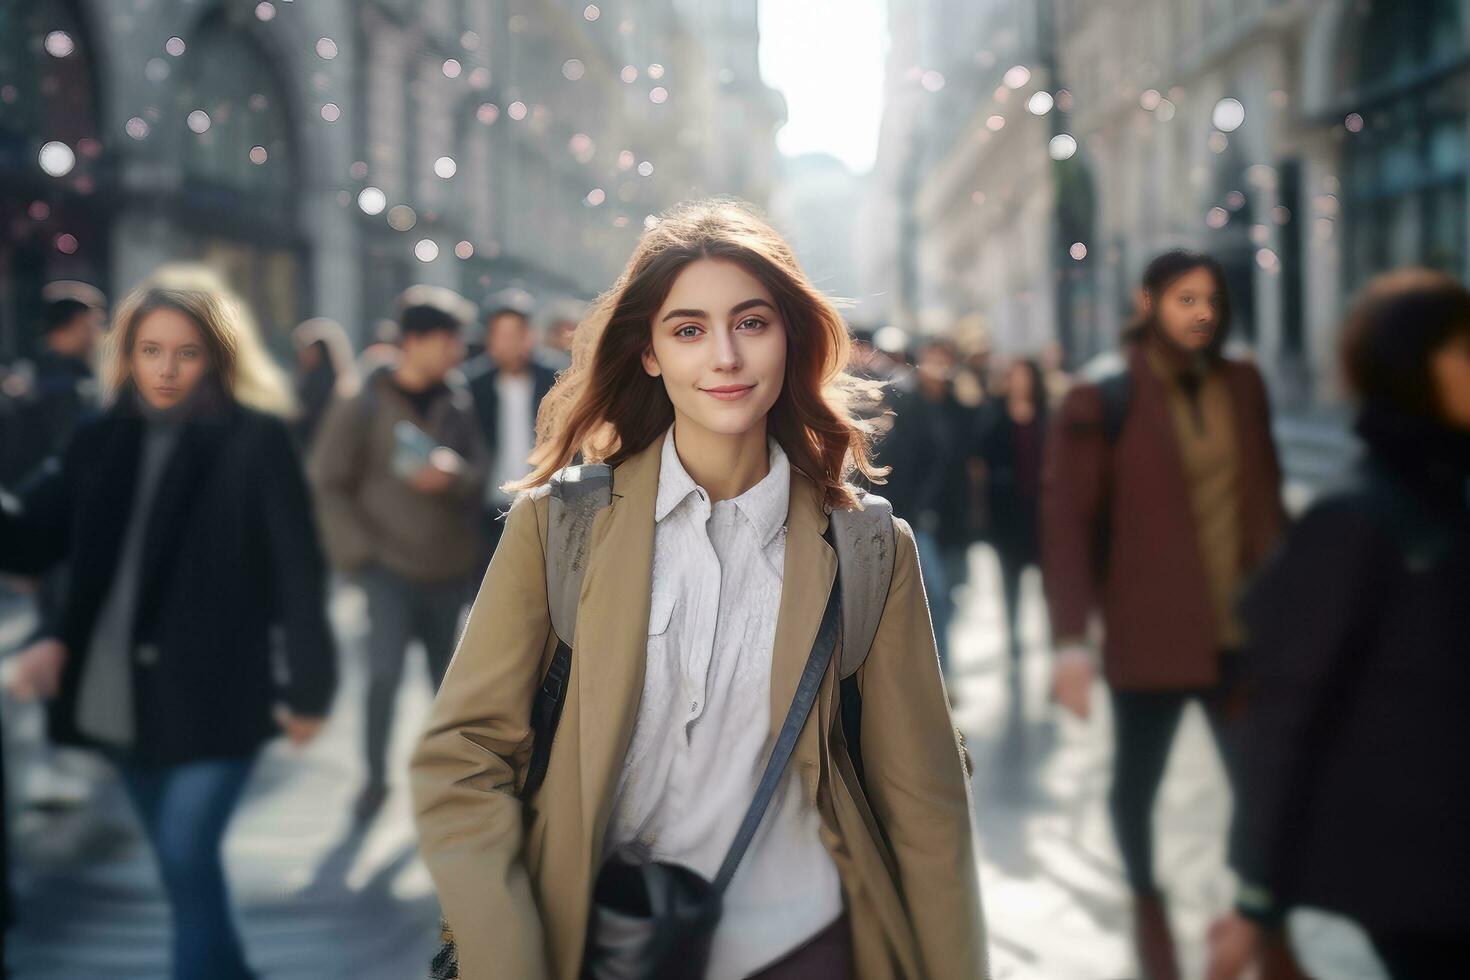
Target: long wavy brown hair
x,y
606,407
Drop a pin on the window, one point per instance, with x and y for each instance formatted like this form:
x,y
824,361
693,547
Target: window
x,y
233,109
1405,169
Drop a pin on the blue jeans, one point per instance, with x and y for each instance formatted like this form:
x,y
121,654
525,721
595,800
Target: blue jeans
x,y
936,590
185,809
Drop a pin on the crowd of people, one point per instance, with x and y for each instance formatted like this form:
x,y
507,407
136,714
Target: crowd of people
x,y
181,505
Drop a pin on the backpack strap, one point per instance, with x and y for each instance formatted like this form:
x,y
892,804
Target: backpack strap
x,y
1117,392
577,494
864,543
1110,373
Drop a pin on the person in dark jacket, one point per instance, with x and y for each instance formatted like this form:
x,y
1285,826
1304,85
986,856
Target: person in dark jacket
x,y
1356,746
65,394
956,426
1159,523
324,370
911,442
1011,447
508,385
185,519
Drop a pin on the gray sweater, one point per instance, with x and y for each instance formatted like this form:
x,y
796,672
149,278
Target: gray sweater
x,y
105,696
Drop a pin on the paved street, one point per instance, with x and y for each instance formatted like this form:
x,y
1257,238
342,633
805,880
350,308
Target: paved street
x,y
1054,893
317,902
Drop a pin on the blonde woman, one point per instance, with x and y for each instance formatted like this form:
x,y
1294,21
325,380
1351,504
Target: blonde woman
x,y
185,520
710,379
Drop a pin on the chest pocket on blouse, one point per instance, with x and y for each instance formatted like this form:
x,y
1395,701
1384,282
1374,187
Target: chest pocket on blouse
x,y
661,612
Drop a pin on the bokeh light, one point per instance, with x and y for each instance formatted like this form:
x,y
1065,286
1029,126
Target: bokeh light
x,y
56,158
1228,115
371,200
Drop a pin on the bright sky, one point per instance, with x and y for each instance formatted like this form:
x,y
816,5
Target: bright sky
x,y
827,57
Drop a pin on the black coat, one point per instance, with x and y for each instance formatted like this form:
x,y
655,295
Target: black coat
x,y
63,396
1014,514
1356,745
480,375
912,448
231,612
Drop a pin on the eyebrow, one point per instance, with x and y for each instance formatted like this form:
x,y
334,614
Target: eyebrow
x,y
701,314
144,341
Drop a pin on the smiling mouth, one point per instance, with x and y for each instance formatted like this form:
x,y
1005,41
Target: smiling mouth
x,y
729,392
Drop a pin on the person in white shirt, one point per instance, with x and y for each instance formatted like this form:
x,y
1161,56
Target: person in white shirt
x,y
508,385
713,384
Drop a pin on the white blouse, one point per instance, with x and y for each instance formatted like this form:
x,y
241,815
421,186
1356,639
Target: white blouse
x,y
698,746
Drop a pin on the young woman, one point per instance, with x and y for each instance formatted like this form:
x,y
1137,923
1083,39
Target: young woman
x,y
1359,628
711,378
1011,448
184,518
1161,495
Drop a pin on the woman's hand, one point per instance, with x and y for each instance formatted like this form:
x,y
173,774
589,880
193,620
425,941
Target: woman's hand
x,y
299,729
35,672
1071,684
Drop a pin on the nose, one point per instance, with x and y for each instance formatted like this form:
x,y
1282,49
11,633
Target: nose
x,y
727,351
170,367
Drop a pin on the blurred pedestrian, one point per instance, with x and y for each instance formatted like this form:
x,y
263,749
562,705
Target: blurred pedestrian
x,y
324,370
399,470
716,392
1356,740
63,389
1161,494
187,524
555,349
1012,447
65,393
911,442
956,427
508,385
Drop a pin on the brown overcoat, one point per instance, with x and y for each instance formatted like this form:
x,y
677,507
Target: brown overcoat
x,y
515,878
1161,626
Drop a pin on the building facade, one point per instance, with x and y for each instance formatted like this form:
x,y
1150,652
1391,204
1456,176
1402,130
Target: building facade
x,y
325,155
1306,143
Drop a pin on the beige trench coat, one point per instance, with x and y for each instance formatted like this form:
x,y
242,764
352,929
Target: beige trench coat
x,y
515,878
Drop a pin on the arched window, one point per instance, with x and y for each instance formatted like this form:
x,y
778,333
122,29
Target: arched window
x,y
1405,152
234,110
46,90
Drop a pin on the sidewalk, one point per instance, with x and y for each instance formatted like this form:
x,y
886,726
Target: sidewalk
x,y
314,900
1055,900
